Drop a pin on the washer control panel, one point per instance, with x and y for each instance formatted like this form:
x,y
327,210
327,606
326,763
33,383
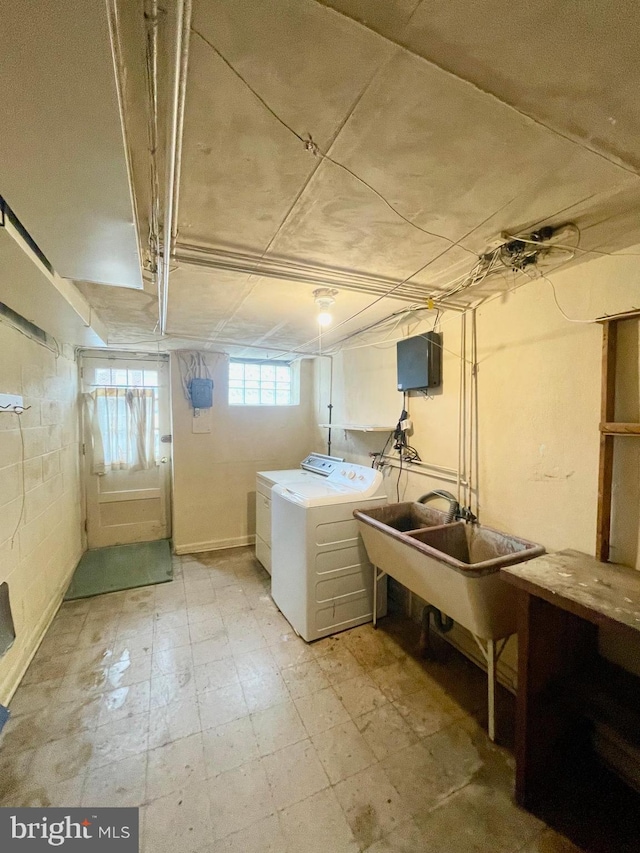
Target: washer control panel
x,y
320,463
358,477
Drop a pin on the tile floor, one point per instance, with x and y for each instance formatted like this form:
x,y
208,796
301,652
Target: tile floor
x,y
195,701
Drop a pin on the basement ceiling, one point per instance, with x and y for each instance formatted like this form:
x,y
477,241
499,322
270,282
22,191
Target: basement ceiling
x,y
445,124
63,160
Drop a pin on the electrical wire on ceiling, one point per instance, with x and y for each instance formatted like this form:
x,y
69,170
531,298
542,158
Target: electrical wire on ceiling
x,y
578,249
485,265
559,307
311,146
512,258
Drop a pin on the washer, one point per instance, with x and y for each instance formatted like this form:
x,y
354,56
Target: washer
x,y
315,466
321,579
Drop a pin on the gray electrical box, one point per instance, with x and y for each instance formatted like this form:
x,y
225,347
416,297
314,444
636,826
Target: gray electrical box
x,y
420,362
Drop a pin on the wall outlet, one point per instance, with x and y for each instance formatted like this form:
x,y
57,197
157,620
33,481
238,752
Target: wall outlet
x,y
9,402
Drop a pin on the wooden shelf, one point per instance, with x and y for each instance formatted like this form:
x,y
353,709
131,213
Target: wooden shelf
x,y
359,427
620,429
609,428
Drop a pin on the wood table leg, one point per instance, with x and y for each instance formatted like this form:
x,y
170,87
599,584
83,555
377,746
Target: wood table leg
x,y
552,644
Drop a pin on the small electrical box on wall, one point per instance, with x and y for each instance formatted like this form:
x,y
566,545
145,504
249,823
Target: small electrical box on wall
x,y
201,391
420,362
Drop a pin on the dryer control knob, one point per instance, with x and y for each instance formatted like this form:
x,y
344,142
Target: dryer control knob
x,y
351,475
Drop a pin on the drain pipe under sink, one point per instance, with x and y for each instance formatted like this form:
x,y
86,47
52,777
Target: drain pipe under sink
x,y
443,623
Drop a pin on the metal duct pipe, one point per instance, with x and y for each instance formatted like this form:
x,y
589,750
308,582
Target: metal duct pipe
x,y
151,17
184,10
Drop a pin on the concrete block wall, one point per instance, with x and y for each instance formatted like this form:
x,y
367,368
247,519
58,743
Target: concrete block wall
x,y
47,545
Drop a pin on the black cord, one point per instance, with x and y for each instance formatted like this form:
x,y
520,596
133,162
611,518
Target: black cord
x,y
410,454
398,482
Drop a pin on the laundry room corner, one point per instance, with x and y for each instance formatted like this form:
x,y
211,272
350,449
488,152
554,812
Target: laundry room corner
x,y
217,453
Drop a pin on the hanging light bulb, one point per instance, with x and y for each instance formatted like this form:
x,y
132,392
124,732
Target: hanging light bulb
x,y
324,299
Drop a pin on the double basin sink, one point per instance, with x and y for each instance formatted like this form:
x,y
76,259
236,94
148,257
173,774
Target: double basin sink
x,y
455,566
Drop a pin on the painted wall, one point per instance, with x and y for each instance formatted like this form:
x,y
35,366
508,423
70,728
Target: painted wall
x,y
214,471
539,410
47,546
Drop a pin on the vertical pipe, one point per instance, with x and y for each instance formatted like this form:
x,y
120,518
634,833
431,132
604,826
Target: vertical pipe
x,y
491,678
476,440
458,477
470,414
463,443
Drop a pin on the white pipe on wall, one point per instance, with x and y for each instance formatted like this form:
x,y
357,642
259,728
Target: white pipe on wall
x,y
151,16
174,147
476,429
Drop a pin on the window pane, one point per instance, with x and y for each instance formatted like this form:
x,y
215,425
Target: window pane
x,y
135,378
103,376
151,378
259,383
268,373
119,377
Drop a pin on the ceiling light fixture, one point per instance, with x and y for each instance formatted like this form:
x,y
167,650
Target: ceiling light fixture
x,y
324,298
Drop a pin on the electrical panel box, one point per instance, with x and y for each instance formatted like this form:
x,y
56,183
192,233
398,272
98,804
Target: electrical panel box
x,y
201,391
420,362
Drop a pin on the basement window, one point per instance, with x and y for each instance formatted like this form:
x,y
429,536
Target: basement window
x,y
115,377
260,383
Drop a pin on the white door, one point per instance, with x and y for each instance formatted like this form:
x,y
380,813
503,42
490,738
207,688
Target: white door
x,y
125,505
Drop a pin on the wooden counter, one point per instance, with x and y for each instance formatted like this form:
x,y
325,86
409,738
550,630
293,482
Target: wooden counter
x,y
563,599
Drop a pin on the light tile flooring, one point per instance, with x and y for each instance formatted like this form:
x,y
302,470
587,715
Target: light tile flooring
x,y
195,701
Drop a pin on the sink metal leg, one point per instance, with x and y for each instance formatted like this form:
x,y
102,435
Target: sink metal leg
x,y
491,678
375,596
377,576
491,655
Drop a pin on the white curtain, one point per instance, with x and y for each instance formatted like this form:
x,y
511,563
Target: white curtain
x,y
122,428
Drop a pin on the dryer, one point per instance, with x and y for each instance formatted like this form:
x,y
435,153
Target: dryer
x,y
321,579
315,466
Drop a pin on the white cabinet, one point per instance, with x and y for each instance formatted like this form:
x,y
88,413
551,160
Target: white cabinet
x,y
263,522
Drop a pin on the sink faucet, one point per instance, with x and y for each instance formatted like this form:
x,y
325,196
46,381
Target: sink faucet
x,y
455,510
454,506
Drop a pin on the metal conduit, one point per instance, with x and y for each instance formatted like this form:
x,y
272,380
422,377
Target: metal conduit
x,y
174,147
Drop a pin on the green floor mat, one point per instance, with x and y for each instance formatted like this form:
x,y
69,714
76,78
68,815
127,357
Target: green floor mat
x,y
121,567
